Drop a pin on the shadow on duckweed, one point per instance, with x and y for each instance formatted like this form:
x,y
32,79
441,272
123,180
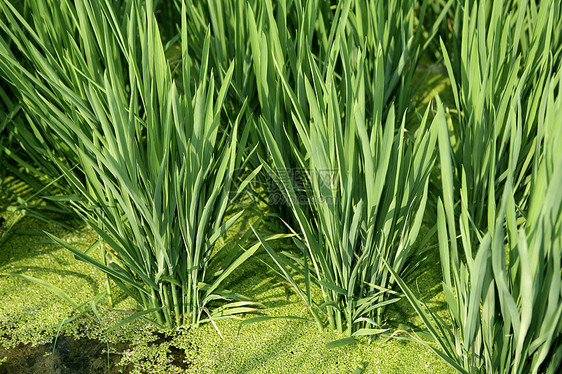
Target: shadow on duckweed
x,y
70,355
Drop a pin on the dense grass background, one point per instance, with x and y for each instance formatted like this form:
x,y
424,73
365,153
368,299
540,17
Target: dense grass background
x,y
174,130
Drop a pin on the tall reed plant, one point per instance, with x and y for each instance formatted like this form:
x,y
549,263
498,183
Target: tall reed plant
x,y
504,296
499,218
366,191
155,159
500,61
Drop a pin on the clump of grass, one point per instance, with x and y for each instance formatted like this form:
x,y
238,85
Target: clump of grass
x,y
499,220
156,164
505,298
366,187
502,60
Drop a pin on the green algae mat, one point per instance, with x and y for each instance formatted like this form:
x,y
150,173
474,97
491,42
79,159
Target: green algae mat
x,y
30,316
